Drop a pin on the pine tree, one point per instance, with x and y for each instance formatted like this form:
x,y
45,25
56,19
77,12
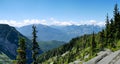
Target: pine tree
x,y
35,47
116,11
102,38
117,21
83,44
118,25
107,31
111,35
93,44
21,57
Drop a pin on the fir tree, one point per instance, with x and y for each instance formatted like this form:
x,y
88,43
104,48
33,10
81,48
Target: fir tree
x,y
111,35
21,57
107,31
35,47
102,38
116,11
93,44
117,21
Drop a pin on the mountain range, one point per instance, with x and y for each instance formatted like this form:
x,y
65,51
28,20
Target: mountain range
x,y
49,37
59,33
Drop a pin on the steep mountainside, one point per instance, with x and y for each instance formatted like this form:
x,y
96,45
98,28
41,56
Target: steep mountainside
x,y
67,53
78,50
9,37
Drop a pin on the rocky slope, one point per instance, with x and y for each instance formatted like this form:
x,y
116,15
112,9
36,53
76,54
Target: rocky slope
x,y
106,57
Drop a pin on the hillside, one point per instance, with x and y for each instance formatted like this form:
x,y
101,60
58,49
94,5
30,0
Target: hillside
x,y
4,59
9,37
49,45
86,47
66,53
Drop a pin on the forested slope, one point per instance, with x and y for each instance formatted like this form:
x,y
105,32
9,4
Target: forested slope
x,y
86,47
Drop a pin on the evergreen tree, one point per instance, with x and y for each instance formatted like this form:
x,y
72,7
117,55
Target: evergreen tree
x,y
93,44
21,57
107,31
102,38
111,35
112,28
117,21
35,47
84,44
116,11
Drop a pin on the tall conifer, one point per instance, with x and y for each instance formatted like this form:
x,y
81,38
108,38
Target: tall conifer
x,y
35,47
21,57
93,44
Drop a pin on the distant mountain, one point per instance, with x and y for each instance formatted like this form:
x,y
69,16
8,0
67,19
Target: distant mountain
x,y
45,33
59,33
74,30
9,37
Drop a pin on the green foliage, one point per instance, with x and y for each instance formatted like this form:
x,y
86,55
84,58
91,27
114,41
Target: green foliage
x,y
101,40
93,44
49,45
35,46
68,52
21,57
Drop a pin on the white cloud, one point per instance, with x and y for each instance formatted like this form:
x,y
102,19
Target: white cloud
x,y
61,23
92,22
23,23
51,21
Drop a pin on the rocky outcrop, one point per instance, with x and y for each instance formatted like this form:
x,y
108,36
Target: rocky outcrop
x,y
106,58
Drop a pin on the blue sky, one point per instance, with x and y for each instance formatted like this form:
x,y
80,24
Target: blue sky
x,y
47,11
